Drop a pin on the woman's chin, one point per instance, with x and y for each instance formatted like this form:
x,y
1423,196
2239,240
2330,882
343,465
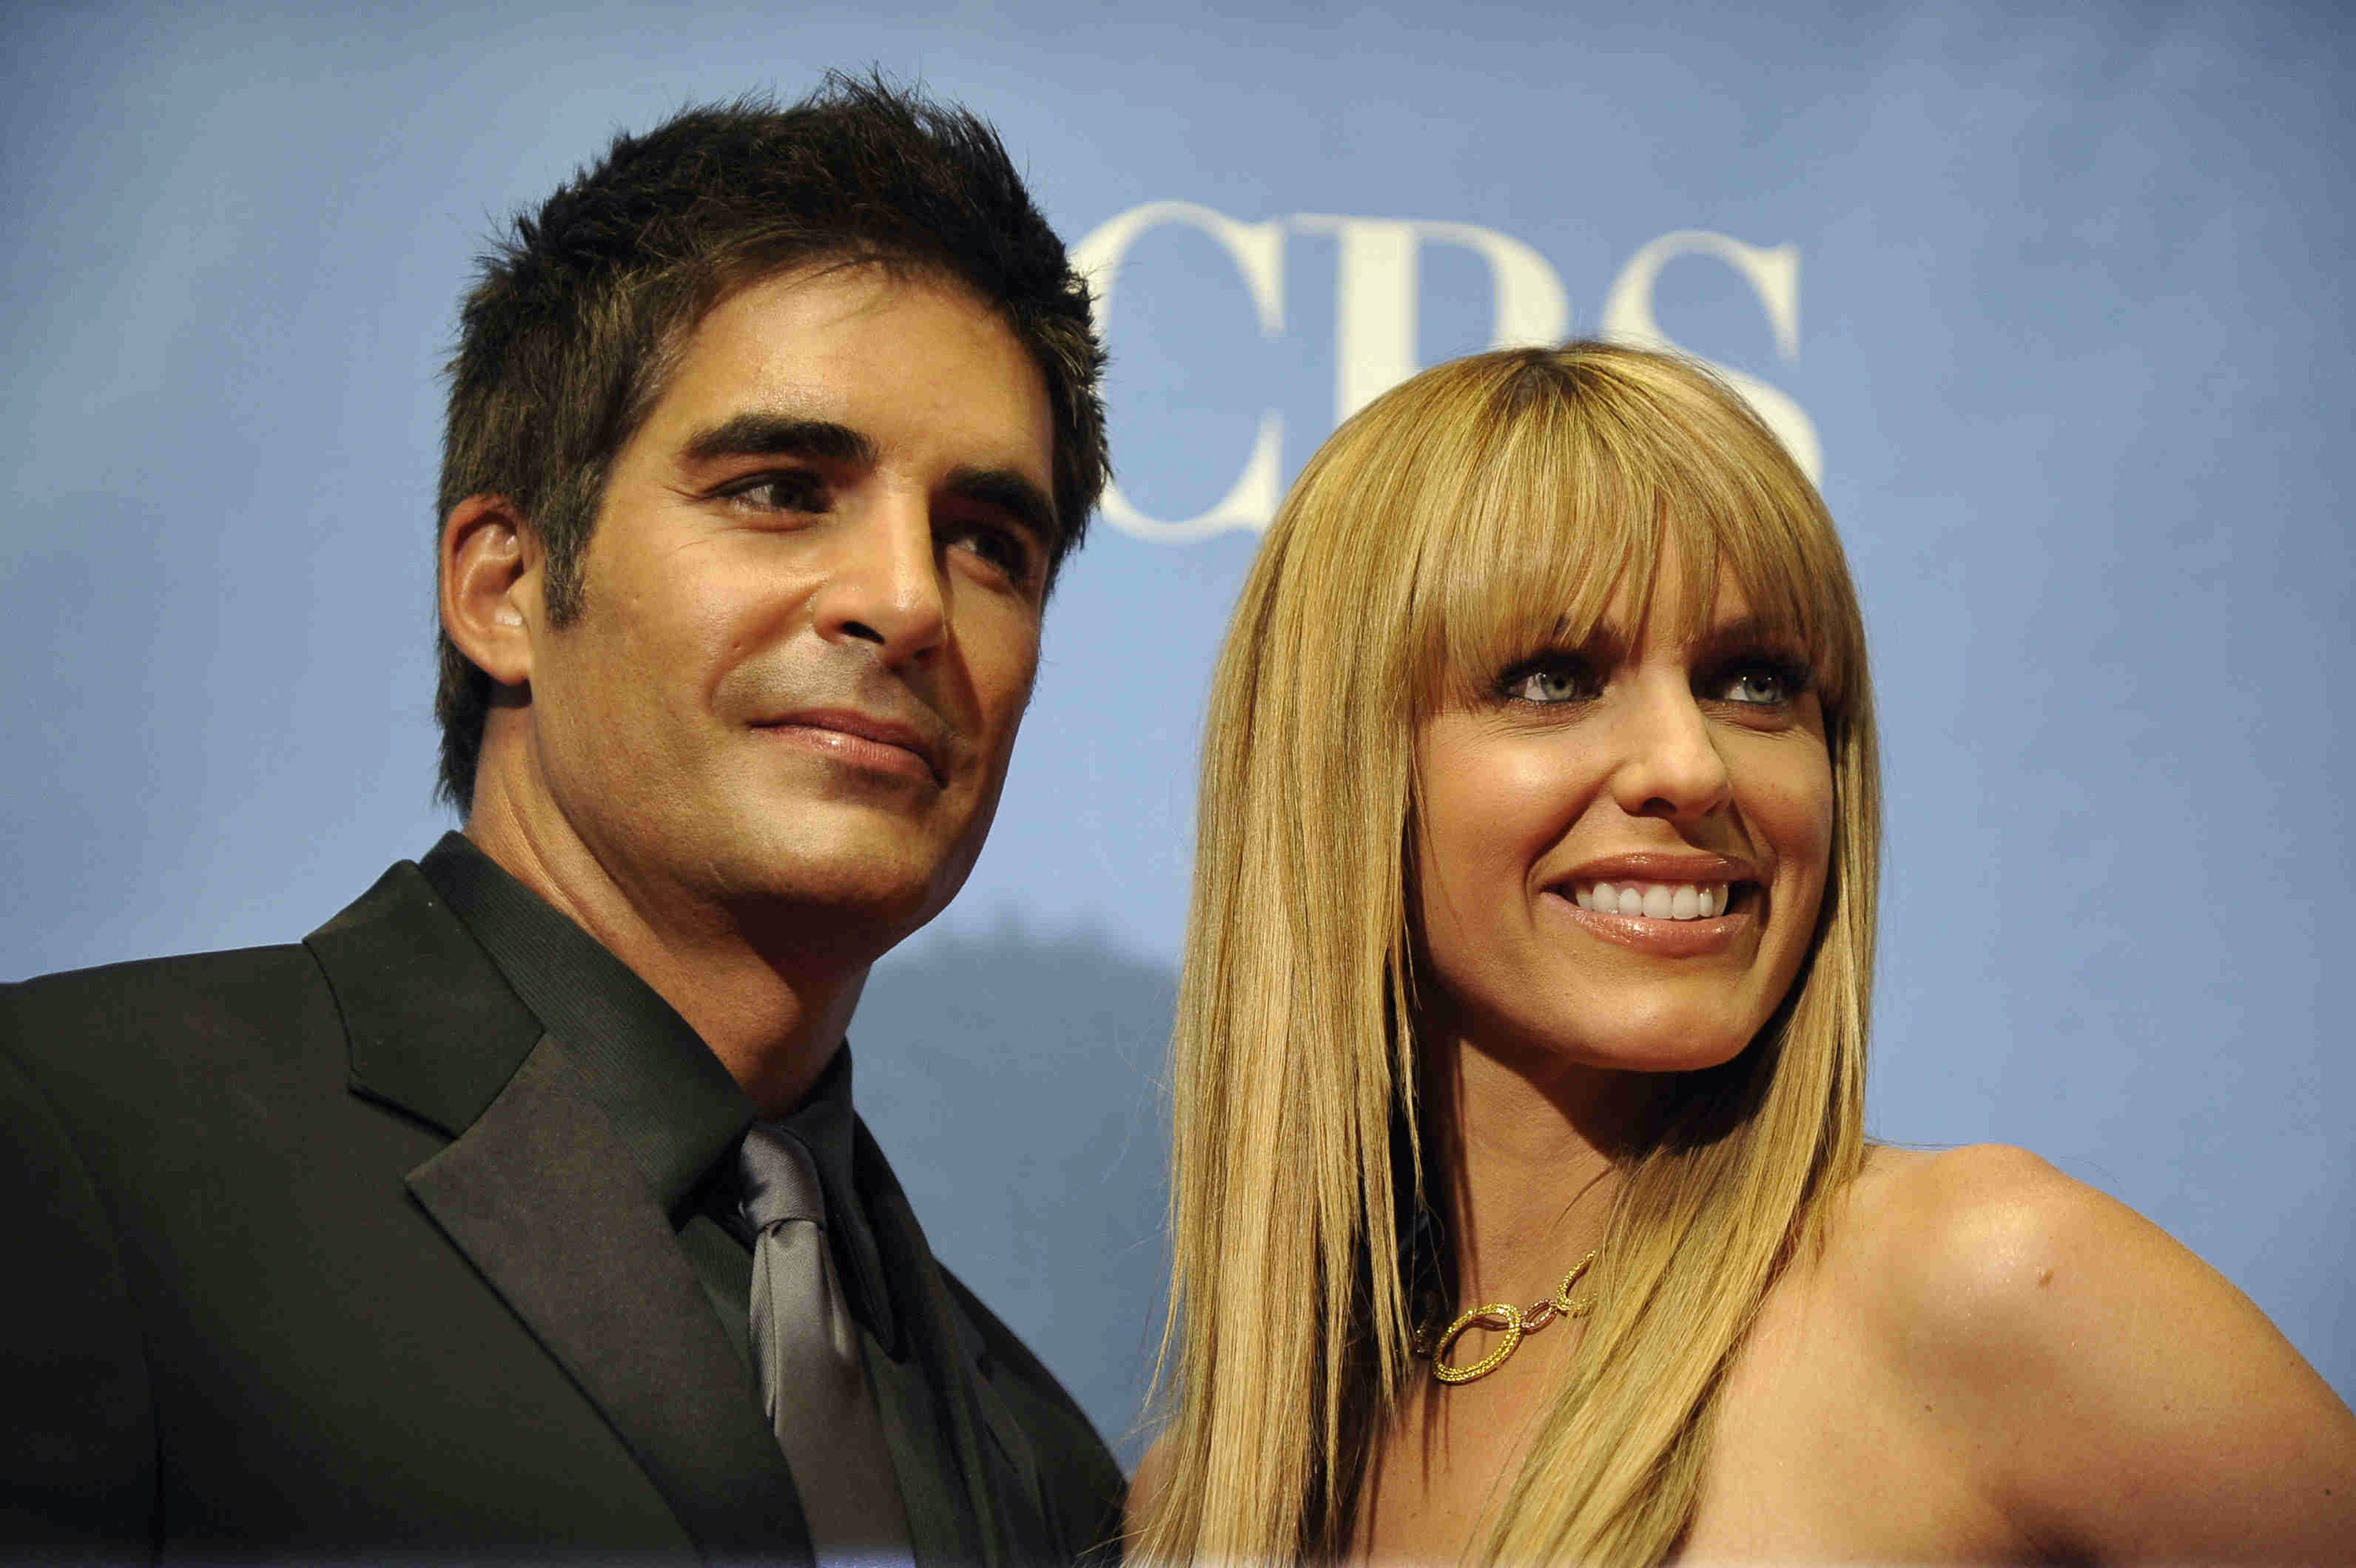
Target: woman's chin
x,y
1656,1043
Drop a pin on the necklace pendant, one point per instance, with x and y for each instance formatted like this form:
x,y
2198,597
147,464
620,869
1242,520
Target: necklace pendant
x,y
1510,1320
1496,1315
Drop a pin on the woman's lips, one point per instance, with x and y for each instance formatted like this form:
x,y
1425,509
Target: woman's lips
x,y
1668,935
1653,900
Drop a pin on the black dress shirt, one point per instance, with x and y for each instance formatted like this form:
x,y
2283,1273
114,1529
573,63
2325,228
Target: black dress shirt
x,y
682,1115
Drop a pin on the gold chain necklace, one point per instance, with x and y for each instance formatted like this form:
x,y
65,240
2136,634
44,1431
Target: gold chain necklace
x,y
1513,1321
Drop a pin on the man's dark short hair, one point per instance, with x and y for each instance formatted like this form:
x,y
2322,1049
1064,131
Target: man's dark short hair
x,y
582,308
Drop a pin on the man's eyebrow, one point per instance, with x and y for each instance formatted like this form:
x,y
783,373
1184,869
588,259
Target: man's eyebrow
x,y
1011,492
780,435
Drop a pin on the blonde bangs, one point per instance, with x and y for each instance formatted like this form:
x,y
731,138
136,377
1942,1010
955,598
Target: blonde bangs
x,y
1544,485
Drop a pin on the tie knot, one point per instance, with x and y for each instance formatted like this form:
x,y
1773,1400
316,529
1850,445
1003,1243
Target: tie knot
x,y
780,1178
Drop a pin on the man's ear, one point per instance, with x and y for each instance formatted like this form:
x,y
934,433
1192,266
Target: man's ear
x,y
490,585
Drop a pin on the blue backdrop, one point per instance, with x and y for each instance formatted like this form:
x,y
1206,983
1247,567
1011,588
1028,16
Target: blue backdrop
x,y
2057,297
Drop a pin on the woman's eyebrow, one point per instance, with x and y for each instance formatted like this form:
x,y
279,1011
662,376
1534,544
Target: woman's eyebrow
x,y
1604,642
1746,632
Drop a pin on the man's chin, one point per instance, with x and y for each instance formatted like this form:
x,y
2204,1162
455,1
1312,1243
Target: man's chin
x,y
880,884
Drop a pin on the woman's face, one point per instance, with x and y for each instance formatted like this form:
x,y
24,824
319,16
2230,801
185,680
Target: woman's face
x,y
1623,846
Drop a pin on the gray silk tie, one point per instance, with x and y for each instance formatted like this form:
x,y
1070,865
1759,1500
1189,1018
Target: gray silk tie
x,y
812,1381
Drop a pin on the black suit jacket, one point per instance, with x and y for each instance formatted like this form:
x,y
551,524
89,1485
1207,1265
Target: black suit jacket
x,y
317,1250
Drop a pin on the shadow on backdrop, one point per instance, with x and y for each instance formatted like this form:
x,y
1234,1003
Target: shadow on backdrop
x,y
1014,1081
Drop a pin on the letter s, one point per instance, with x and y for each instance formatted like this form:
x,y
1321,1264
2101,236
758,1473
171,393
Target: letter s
x,y
1773,275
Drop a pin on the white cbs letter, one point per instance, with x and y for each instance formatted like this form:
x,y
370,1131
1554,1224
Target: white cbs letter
x,y
1375,294
1258,251
1774,276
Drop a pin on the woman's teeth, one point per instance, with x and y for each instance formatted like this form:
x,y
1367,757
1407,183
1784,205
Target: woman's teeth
x,y
1653,900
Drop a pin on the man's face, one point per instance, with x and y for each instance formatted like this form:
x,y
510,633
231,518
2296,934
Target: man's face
x,y
811,610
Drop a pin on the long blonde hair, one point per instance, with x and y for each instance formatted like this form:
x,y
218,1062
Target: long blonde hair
x,y
1484,509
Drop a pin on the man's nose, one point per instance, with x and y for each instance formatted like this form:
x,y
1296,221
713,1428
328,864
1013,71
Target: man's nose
x,y
883,583
1670,767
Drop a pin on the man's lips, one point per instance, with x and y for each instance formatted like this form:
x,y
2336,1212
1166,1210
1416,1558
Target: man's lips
x,y
862,739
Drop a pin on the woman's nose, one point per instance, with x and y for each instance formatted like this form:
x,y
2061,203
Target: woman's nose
x,y
1669,766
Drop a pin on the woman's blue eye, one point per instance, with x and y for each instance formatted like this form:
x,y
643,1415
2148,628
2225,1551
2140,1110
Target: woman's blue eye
x,y
1548,681
1760,685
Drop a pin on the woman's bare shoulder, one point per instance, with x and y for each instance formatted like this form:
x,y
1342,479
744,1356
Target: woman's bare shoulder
x,y
2119,1394
1967,1232
1944,1267
1145,1488
1988,1271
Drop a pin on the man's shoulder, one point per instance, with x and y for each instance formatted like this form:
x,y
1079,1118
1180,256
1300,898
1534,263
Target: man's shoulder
x,y
189,976
395,939
150,1067
192,1027
198,999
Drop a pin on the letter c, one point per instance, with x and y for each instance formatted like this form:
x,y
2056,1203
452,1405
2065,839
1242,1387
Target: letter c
x,y
1258,251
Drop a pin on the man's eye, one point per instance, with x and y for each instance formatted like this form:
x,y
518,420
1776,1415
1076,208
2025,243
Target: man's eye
x,y
1002,547
793,491
1549,680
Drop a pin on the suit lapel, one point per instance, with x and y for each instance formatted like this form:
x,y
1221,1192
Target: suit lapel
x,y
546,1204
994,1462
1022,1506
924,1459
549,1206
432,1029
1007,1458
